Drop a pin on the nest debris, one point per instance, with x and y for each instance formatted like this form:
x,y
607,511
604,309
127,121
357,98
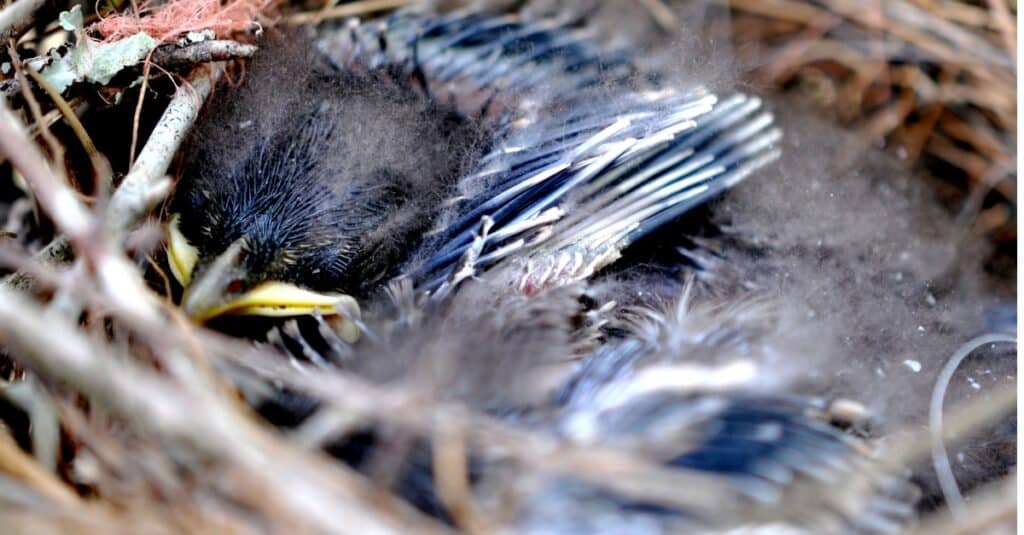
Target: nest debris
x,y
146,431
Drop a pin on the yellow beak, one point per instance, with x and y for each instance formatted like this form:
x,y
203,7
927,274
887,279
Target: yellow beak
x,y
208,296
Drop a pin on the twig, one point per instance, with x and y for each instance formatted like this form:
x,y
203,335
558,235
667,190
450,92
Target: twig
x,y
1007,25
350,9
17,17
947,481
175,57
24,468
116,275
914,446
59,200
146,183
100,165
661,14
604,468
56,149
57,251
138,107
991,508
452,475
193,415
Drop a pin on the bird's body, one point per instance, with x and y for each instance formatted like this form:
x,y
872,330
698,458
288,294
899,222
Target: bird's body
x,y
488,169
578,163
307,189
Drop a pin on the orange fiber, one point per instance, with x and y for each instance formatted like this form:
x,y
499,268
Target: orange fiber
x,y
167,21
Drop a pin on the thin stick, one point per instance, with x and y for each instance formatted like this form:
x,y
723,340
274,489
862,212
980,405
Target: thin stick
x,y
1007,26
172,56
24,468
350,9
33,105
17,17
992,509
100,166
192,414
452,475
605,468
661,14
59,200
947,481
138,106
65,109
146,184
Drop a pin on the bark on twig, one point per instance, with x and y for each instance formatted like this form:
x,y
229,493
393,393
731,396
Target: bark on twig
x,y
21,466
144,186
350,9
17,17
605,468
176,57
146,183
191,415
57,251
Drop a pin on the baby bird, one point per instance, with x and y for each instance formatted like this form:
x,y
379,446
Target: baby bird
x,y
431,150
480,171
302,212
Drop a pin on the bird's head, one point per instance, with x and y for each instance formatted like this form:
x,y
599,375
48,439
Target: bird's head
x,y
272,235
236,281
307,191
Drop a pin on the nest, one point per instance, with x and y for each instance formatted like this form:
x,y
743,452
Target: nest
x,y
116,418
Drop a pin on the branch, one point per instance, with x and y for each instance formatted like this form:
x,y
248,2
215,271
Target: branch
x,y
173,56
192,416
350,9
606,468
144,186
59,200
146,183
117,277
17,17
21,466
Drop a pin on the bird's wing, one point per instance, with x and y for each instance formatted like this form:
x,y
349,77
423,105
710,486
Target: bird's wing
x,y
775,452
771,453
582,164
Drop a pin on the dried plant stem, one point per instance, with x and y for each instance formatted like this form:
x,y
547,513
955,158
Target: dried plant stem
x,y
1007,25
59,200
608,469
350,9
452,476
56,149
116,275
992,510
172,56
193,416
65,109
101,168
138,108
947,481
17,17
661,14
142,187
146,183
24,468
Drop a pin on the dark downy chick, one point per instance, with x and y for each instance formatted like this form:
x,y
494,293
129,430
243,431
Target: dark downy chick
x,y
583,158
325,192
580,164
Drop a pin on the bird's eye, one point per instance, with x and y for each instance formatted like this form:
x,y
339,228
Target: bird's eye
x,y
181,255
234,287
